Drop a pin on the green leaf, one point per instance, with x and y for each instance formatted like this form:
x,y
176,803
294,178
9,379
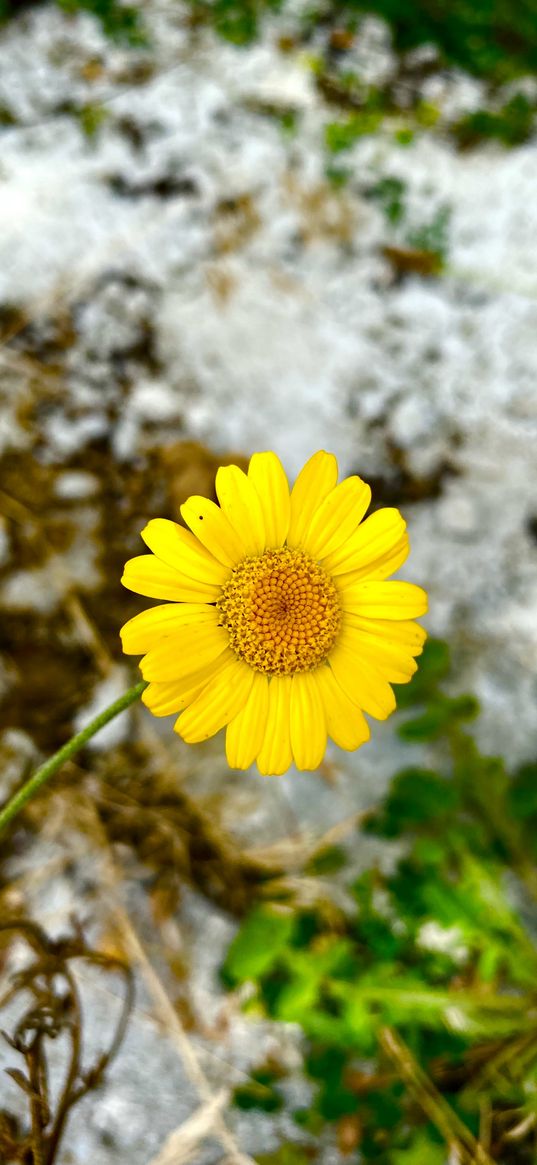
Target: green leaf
x,y
265,933
434,665
92,118
323,1062
439,717
335,1102
432,236
329,860
341,135
120,21
390,193
297,999
259,1092
362,1022
512,125
416,796
522,793
287,1154
404,136
424,1150
337,176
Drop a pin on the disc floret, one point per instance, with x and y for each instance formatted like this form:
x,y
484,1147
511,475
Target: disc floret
x,y
281,611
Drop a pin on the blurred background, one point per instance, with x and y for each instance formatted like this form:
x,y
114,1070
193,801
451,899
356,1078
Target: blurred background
x,y
230,226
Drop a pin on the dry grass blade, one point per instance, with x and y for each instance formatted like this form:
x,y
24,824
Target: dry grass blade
x,y
462,1144
293,852
164,1007
184,1140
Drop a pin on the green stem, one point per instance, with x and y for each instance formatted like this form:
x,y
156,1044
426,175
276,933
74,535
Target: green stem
x,y
51,766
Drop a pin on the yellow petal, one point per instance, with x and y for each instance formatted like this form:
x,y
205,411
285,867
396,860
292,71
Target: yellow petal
x,y
183,653
312,485
165,698
337,517
405,632
307,721
392,661
381,568
244,734
218,703
147,575
179,548
239,501
275,754
345,721
211,526
268,476
373,540
384,600
146,629
362,682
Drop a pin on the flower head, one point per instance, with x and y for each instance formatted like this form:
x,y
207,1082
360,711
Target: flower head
x,y
278,623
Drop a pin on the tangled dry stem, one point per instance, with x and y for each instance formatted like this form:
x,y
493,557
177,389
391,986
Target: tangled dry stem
x,y
54,1008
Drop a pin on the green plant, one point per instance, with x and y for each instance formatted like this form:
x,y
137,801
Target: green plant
x,y
496,40
432,236
234,20
118,20
511,125
341,135
418,1006
390,193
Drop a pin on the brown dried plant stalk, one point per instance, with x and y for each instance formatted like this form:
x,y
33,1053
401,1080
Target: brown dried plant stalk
x,y
53,1009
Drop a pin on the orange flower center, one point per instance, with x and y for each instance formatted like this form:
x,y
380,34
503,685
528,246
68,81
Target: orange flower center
x,y
281,611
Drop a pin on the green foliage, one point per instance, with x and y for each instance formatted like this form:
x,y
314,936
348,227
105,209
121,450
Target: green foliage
x,y
431,236
404,136
121,21
327,861
286,1155
390,193
424,1150
434,950
118,20
491,39
341,135
337,176
496,40
434,235
265,933
522,794
511,125
235,20
260,1092
438,716
434,666
10,8
92,118
414,797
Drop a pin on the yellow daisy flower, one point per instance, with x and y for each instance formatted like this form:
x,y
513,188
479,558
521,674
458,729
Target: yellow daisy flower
x,y
278,622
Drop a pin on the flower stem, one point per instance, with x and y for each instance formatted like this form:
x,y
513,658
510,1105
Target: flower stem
x,y
51,766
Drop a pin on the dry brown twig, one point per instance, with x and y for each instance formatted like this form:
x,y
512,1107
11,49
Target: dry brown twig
x,y
54,1008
